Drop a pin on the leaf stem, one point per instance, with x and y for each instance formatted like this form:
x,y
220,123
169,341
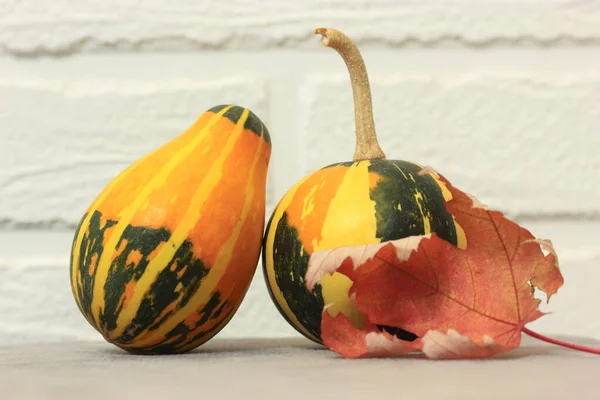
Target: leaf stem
x,y
367,147
560,343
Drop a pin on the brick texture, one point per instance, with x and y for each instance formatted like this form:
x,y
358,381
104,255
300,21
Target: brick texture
x,y
87,25
64,141
524,144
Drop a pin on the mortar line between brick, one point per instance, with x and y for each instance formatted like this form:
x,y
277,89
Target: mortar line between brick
x,y
89,45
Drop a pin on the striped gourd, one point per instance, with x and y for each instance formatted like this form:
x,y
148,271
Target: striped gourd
x,y
368,200
163,257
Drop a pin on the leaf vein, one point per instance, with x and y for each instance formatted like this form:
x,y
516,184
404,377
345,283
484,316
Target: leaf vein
x,y
445,294
510,265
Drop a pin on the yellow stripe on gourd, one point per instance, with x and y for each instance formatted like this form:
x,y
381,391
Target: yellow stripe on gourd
x,y
75,271
445,192
308,205
270,264
461,238
351,202
126,215
187,346
216,272
424,217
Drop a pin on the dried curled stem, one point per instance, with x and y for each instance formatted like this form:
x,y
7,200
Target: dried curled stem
x,y
367,147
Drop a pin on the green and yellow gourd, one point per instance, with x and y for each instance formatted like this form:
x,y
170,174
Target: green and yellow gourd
x,y
163,257
365,201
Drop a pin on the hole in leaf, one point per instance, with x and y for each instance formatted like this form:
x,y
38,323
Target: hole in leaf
x,y
398,332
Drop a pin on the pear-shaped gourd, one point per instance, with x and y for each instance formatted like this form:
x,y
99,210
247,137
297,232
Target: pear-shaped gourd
x,y
365,201
163,257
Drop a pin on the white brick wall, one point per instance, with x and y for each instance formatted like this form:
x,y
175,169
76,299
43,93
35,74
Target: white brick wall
x,y
502,97
528,145
67,138
53,26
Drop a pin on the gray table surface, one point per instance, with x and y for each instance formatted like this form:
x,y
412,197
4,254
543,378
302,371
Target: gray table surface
x,y
290,369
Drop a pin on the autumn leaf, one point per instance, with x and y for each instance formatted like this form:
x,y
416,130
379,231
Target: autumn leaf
x,y
341,336
452,345
460,303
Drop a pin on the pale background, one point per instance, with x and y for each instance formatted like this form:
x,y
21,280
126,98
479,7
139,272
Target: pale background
x,y
503,97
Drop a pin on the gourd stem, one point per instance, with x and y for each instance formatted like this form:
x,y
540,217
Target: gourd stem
x,y
560,342
367,147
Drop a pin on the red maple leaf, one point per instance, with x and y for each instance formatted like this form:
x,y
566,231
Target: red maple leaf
x,y
461,303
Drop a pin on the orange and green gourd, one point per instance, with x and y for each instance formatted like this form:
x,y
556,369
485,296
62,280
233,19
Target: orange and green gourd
x,y
364,201
163,257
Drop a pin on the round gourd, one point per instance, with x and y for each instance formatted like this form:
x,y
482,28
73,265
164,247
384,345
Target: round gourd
x,y
364,201
163,257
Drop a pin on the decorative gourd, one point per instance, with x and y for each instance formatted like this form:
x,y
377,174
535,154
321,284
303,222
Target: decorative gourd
x,y
368,200
163,257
